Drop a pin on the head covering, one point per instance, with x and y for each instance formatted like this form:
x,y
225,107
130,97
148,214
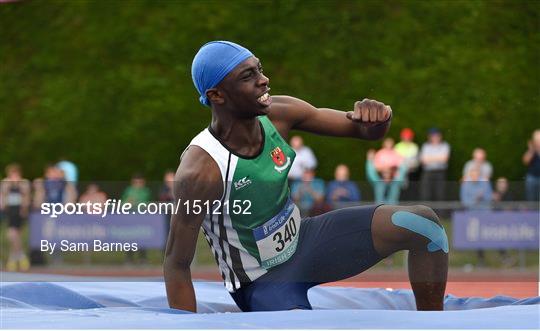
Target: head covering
x,y
433,131
213,62
407,133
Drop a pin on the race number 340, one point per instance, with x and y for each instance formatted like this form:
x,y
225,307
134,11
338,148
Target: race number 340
x,y
287,234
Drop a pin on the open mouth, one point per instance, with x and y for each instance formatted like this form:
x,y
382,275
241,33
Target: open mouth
x,y
265,99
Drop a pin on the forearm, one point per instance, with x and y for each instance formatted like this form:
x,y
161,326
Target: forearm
x,y
435,158
527,157
371,172
179,287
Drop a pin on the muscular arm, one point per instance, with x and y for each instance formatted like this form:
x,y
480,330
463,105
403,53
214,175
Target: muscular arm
x,y
288,113
197,178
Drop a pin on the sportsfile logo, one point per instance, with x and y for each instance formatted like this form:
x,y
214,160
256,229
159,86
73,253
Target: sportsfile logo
x,y
243,182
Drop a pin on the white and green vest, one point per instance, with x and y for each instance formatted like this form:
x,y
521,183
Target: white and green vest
x,y
255,226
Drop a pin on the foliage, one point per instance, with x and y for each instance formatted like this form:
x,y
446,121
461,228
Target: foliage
x,y
108,85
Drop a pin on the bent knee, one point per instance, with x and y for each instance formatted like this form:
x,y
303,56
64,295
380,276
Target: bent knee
x,y
426,212
424,223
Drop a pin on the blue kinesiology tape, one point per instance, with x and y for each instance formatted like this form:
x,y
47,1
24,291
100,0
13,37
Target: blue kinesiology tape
x,y
424,227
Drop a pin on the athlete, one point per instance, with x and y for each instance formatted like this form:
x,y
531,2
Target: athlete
x,y
232,181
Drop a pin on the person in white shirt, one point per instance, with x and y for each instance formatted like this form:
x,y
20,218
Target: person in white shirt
x,y
479,161
434,159
305,159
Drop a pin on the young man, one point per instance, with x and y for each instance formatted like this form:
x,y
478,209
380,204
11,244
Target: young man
x,y
270,257
15,203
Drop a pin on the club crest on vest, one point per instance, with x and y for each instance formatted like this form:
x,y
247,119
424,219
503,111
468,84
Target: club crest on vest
x,y
280,160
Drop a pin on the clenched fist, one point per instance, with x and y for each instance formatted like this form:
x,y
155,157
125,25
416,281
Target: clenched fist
x,y
369,111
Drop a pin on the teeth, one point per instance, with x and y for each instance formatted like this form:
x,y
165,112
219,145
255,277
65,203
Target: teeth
x,y
264,97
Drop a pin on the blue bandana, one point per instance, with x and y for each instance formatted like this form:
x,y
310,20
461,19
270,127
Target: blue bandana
x,y
213,62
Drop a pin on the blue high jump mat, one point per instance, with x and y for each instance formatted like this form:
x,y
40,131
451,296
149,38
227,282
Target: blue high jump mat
x,y
110,304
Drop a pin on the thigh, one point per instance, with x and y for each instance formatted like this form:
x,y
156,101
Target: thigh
x,y
335,246
14,218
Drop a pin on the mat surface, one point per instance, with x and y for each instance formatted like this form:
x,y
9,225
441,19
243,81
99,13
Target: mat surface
x,y
134,305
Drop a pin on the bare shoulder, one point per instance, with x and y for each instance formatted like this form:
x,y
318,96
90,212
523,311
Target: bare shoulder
x,y
198,176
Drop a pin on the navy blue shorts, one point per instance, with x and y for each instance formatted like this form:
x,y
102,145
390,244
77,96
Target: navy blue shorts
x,y
332,247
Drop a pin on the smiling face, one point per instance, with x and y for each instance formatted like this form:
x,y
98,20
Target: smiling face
x,y
243,91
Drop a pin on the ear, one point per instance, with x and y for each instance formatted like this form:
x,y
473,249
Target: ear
x,y
215,96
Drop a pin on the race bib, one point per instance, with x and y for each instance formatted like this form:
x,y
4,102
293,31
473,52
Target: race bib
x,y
277,238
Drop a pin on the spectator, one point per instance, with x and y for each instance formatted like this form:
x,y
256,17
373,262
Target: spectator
x,y
305,159
408,149
166,195
479,161
136,194
58,190
70,170
308,192
341,189
94,195
55,188
387,158
501,192
476,193
531,159
39,193
386,185
434,156
15,204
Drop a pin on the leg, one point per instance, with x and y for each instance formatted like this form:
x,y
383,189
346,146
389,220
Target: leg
x,y
394,189
535,188
331,247
14,248
532,188
481,257
14,238
425,186
428,266
16,254
440,185
379,188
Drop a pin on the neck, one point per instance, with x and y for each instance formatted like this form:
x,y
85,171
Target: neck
x,y
242,135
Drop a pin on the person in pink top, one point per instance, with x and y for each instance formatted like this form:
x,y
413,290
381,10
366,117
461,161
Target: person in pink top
x,y
387,158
